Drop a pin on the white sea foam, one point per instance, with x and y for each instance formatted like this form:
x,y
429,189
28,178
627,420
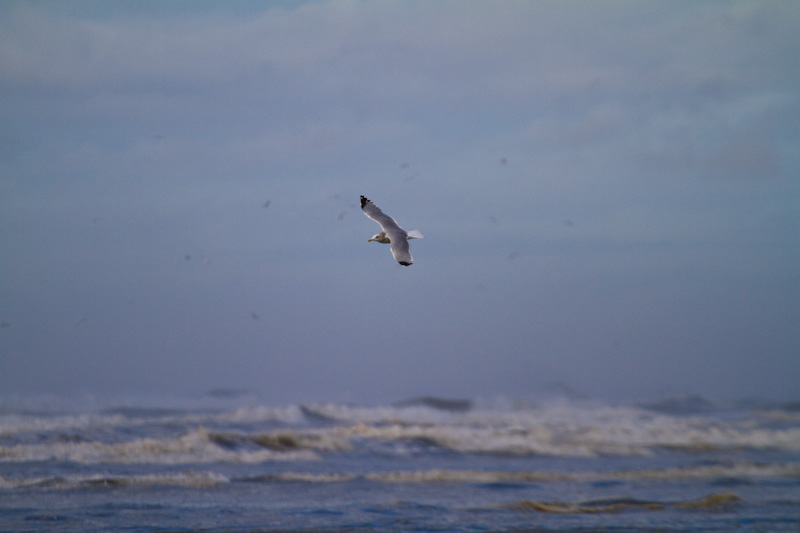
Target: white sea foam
x,y
201,479
302,433
503,460
562,431
15,423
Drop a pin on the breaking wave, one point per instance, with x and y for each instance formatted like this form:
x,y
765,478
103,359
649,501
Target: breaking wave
x,y
742,472
260,434
197,446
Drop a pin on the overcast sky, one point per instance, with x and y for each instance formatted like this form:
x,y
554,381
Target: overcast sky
x,y
609,193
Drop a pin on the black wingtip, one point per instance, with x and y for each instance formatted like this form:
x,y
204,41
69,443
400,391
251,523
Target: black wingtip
x,y
364,201
405,264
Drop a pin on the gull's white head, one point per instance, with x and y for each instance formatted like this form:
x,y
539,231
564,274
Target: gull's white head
x,y
380,237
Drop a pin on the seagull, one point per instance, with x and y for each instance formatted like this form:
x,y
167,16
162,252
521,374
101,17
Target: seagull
x,y
392,233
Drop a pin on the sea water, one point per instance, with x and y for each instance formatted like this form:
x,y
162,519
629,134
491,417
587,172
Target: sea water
x,y
228,462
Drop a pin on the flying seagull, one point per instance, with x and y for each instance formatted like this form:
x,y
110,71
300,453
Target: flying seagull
x,y
392,233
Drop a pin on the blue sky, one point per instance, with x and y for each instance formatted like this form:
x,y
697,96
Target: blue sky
x,y
608,192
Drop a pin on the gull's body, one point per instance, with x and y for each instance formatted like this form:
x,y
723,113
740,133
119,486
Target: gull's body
x,y
392,233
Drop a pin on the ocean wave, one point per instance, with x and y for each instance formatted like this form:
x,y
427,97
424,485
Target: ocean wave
x,y
434,402
743,470
259,434
713,502
570,433
196,446
415,413
284,440
124,417
207,478
189,479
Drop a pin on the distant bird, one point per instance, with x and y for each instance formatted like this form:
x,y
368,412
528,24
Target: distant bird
x,y
266,204
392,234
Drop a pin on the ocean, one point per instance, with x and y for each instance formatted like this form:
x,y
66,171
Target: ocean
x,y
226,461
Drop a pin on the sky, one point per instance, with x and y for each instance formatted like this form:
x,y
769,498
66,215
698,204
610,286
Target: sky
x,y
609,193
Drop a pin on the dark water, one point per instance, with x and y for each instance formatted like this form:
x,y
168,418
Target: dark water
x,y
229,463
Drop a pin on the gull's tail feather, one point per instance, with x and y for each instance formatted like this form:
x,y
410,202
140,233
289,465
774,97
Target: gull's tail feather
x,y
414,234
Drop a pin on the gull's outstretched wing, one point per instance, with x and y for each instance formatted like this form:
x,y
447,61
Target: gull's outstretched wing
x,y
374,212
397,235
400,250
